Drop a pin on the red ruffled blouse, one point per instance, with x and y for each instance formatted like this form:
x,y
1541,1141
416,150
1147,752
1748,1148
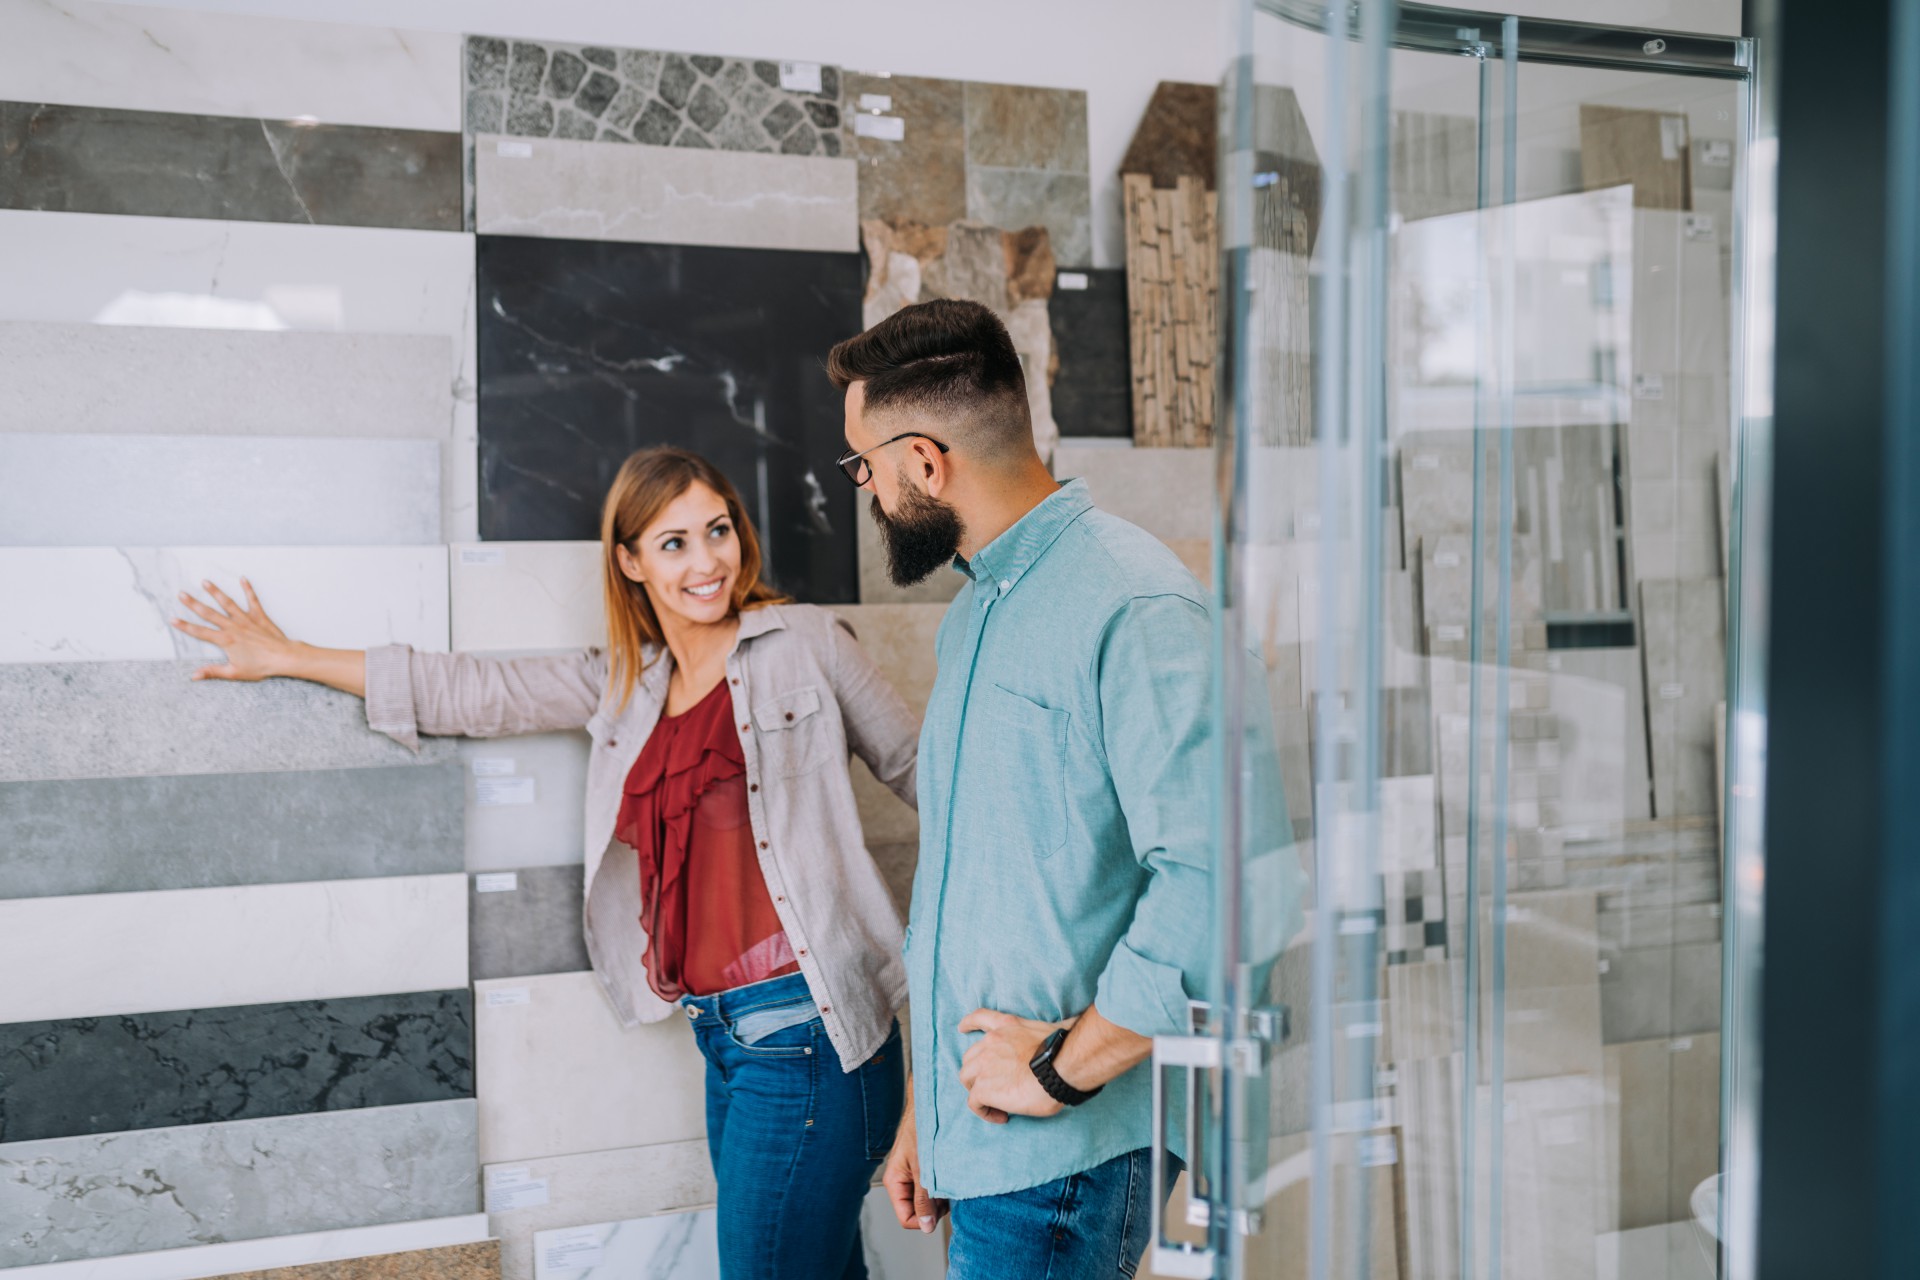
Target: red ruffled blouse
x,y
709,920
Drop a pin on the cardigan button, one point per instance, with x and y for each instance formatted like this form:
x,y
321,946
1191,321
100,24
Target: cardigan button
x,y
753,786
763,844
802,951
789,715
746,728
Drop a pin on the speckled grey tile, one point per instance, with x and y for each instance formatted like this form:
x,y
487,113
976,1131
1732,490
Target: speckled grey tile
x,y
105,1194
527,922
133,719
152,1070
1016,198
118,835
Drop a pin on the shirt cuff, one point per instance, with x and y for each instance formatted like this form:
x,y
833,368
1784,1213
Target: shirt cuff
x,y
1145,996
390,694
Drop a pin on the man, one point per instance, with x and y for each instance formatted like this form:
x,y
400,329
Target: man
x,y
1060,912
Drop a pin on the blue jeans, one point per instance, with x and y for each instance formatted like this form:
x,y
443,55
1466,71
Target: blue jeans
x,y
1086,1226
795,1140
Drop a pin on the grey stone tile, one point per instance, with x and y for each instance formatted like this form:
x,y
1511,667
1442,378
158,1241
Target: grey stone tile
x,y
1636,996
1682,641
133,719
1021,127
120,835
105,160
245,1179
534,927
922,177
1017,198
153,1070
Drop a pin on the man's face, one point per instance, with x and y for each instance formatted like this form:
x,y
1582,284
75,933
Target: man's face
x,y
919,531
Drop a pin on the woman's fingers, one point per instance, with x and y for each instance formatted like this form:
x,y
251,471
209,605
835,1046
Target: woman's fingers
x,y
220,671
225,601
205,610
208,634
253,601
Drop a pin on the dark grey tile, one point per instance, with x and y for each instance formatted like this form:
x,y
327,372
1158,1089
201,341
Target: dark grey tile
x,y
487,63
105,160
590,350
1092,388
121,835
565,71
152,1070
532,928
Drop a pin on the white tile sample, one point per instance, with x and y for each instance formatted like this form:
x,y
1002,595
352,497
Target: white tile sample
x,y
196,1262
527,595
146,58
557,1074
685,1246
1167,492
541,822
1683,645
101,604
132,719
664,195
154,380
96,955
88,490
108,1194
529,1197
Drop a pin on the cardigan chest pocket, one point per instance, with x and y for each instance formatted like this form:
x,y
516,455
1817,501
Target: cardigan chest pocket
x,y
792,732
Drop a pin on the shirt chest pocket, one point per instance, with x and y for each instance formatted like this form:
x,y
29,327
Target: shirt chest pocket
x,y
1021,755
793,735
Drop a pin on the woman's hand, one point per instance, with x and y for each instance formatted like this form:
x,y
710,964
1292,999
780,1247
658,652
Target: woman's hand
x,y
255,647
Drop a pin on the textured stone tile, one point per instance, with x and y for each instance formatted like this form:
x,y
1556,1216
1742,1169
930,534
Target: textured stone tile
x,y
1167,492
596,1187
129,379
147,1071
1178,135
664,195
1019,127
114,55
1092,388
121,835
103,954
512,824
531,928
107,160
1682,641
528,595
79,490
128,719
105,604
1060,202
477,1261
923,176
198,1261
536,1103
208,1184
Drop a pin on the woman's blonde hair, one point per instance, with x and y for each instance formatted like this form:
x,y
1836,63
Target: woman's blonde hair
x,y
646,483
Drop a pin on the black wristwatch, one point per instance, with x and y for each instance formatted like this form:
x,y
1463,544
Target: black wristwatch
x,y
1057,1089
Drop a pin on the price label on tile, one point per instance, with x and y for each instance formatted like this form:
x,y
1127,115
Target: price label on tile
x,y
1070,280
499,793
1363,1031
1699,226
885,128
1681,1045
1446,634
876,102
1426,462
483,555
1649,386
497,882
528,1193
574,1250
501,997
508,1176
1447,559
511,150
800,77
1378,1150
493,767
1672,691
1718,153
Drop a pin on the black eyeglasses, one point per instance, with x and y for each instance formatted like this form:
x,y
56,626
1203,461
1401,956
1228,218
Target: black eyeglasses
x,y
855,467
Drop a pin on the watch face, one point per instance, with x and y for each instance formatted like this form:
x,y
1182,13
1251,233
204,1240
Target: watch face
x,y
1048,1047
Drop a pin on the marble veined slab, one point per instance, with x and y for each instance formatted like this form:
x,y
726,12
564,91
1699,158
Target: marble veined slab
x,y
195,831
529,1197
197,1262
664,195
106,1194
528,921
527,595
116,603
526,800
558,1074
153,59
102,954
88,490
161,380
134,719
198,1066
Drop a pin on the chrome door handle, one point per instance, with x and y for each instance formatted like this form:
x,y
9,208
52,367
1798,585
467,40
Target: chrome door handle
x,y
1190,1054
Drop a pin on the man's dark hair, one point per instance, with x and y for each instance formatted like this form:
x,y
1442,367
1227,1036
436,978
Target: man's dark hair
x,y
947,359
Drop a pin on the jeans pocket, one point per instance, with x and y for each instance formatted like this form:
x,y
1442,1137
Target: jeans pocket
x,y
882,1095
1137,1218
795,1041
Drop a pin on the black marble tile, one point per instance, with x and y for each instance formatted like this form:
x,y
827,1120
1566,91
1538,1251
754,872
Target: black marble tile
x,y
151,1070
1093,385
106,160
590,350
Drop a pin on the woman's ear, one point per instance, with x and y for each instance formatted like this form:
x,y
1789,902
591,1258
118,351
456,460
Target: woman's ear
x,y
629,563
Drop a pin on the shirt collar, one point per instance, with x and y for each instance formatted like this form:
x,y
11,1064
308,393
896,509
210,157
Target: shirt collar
x,y
1003,560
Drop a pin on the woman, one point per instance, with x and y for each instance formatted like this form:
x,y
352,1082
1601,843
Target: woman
x,y
726,871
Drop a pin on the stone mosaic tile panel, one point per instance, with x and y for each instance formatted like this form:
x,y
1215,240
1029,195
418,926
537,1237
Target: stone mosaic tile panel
x,y
1090,396
121,835
99,1195
922,176
106,160
152,1070
528,922
195,1262
479,1260
595,93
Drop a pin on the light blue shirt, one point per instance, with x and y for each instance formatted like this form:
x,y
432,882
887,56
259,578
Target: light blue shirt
x,y
1065,798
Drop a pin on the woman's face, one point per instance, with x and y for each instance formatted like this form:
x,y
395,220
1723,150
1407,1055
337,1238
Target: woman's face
x,y
688,559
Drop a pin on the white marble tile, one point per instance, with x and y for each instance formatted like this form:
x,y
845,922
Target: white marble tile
x,y
593,1187
545,1050
197,1262
527,595
97,955
539,822
94,604
81,490
158,380
664,195
109,1194
146,58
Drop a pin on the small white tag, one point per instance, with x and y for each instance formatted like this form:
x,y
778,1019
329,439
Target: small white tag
x,y
800,77
1447,559
495,793
483,555
876,102
1606,966
1699,226
1386,1078
497,882
493,766
1713,911
1450,633
1426,462
1357,924
517,1195
1070,280
515,150
500,997
1681,1045
1717,152
1378,1150
1672,691
571,1250
1363,1030
1649,386
1310,522
885,128
508,1176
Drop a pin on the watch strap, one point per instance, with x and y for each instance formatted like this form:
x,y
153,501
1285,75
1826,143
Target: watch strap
x,y
1057,1089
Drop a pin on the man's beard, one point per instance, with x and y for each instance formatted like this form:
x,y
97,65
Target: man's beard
x,y
920,537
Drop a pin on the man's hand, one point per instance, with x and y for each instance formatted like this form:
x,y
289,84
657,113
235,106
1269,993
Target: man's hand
x,y
916,1210
996,1069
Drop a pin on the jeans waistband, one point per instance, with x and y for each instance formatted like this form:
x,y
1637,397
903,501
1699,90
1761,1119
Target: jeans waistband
x,y
729,1006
